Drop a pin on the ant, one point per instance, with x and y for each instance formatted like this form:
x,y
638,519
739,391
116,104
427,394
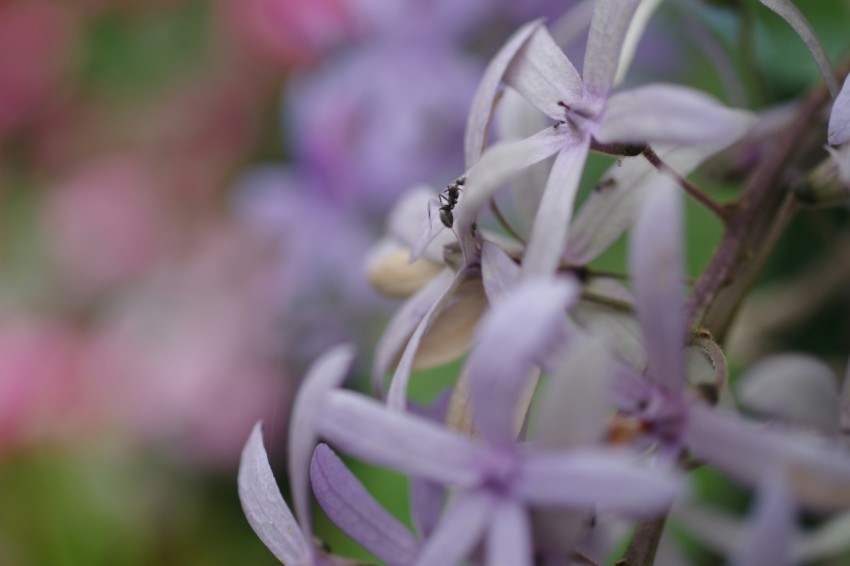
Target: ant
x,y
448,199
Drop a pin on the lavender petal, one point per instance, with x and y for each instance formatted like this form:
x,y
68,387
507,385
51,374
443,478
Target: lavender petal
x,y
839,118
368,430
596,479
656,263
353,509
499,272
669,114
404,323
548,239
771,529
543,75
264,506
481,113
500,363
460,529
326,373
611,21
509,539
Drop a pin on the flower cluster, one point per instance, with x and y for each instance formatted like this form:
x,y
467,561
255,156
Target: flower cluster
x,y
582,403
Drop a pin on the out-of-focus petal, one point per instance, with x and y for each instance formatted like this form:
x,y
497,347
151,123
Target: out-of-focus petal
x,y
450,336
669,114
460,529
594,479
495,168
817,473
611,209
616,327
719,532
771,528
499,272
397,394
794,387
575,403
509,538
368,430
611,20
636,28
839,120
264,506
786,10
501,361
392,274
548,238
353,509
480,114
656,263
403,324
543,75
426,504
326,373
431,229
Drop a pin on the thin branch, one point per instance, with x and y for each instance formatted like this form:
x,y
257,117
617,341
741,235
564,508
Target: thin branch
x,y
719,211
608,301
494,208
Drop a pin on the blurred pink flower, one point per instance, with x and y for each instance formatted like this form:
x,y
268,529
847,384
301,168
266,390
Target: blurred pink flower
x,y
106,222
36,40
41,391
190,357
287,32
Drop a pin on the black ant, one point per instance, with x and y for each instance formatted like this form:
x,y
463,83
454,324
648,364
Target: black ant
x,y
448,199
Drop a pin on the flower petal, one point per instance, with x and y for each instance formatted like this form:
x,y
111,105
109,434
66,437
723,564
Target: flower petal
x,y
397,394
841,157
498,271
596,479
370,431
548,239
794,387
543,75
432,227
575,403
500,364
611,21
353,509
509,539
460,529
496,166
771,528
656,263
786,10
480,114
839,119
391,272
326,373
264,506
818,474
404,322
636,28
669,114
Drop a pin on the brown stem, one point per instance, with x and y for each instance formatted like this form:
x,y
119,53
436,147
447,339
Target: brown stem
x,y
702,198
761,214
644,544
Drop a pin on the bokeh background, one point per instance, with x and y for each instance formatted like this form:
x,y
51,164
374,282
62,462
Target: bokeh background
x,y
188,191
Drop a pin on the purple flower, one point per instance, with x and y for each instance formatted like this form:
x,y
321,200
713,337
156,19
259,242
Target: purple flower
x,y
839,120
584,113
674,416
496,481
337,489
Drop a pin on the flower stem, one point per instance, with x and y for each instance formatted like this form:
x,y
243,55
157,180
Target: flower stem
x,y
719,211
